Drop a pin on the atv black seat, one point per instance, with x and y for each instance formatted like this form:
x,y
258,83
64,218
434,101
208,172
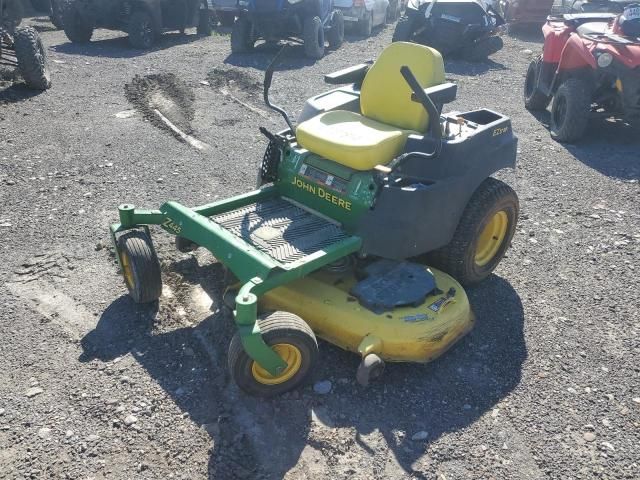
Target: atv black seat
x,y
354,74
592,28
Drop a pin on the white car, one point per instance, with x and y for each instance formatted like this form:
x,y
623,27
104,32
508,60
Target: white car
x,y
367,14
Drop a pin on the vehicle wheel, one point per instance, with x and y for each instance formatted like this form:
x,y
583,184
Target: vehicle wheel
x,y
56,14
371,367
142,32
32,58
393,11
185,245
313,34
335,35
291,338
482,49
204,23
365,24
404,30
570,110
534,99
483,234
77,27
226,18
242,38
140,267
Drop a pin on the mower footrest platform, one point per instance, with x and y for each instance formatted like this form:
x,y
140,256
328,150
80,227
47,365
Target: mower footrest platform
x,y
280,229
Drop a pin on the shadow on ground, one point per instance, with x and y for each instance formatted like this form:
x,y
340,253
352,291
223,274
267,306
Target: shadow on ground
x,y
265,439
17,92
609,146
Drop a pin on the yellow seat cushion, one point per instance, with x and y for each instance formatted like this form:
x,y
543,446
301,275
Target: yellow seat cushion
x,y
350,139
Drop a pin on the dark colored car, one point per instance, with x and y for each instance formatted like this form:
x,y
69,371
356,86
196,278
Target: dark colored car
x,y
526,11
143,20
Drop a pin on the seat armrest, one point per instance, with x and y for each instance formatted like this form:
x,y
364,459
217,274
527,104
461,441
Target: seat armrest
x,y
440,94
353,74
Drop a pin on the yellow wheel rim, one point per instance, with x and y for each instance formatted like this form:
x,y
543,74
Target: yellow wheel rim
x,y
491,238
290,354
127,270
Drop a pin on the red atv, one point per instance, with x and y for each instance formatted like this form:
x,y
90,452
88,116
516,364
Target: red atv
x,y
590,66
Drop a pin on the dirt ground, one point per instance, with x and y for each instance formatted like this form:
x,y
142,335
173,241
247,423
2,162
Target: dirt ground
x,y
94,386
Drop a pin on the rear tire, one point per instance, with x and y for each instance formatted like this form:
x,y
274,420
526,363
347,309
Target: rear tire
x,y
313,36
335,36
56,14
77,27
140,267
226,18
393,11
570,110
365,24
404,30
141,30
242,38
482,49
483,235
290,336
32,58
534,99
204,23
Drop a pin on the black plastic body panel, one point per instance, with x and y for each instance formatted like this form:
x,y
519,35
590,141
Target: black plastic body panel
x,y
421,212
353,74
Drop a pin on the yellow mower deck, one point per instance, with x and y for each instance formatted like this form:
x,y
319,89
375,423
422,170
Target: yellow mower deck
x,y
405,334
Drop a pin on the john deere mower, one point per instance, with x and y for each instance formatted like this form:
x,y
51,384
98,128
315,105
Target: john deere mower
x,y
368,218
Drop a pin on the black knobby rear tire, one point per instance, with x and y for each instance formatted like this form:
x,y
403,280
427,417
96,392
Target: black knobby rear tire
x,y
141,30
335,36
534,99
140,266
483,48
458,258
570,110
77,27
404,30
242,38
32,58
277,328
365,24
204,22
313,36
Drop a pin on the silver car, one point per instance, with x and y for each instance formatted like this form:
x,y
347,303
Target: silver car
x,y
367,14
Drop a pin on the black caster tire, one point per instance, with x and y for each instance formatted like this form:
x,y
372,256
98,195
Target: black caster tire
x,y
292,339
140,267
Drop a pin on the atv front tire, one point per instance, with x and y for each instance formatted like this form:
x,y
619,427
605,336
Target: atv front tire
x,y
140,266
404,30
335,36
141,30
534,99
77,27
483,234
482,49
291,338
570,110
242,38
313,34
32,58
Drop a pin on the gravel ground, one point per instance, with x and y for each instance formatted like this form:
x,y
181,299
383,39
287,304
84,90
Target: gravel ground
x,y
94,386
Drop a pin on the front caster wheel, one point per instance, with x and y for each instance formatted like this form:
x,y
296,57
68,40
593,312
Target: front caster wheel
x,y
371,367
140,267
292,339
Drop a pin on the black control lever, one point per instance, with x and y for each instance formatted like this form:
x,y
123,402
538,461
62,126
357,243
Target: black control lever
x,y
427,103
268,77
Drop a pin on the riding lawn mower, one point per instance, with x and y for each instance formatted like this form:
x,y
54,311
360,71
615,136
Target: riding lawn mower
x,y
369,217
22,48
590,67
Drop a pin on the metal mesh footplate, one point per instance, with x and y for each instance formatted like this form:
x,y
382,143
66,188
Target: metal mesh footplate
x,y
281,229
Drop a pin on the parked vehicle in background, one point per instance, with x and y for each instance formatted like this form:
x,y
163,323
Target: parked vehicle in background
x,y
525,11
466,27
143,20
600,6
368,14
315,22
